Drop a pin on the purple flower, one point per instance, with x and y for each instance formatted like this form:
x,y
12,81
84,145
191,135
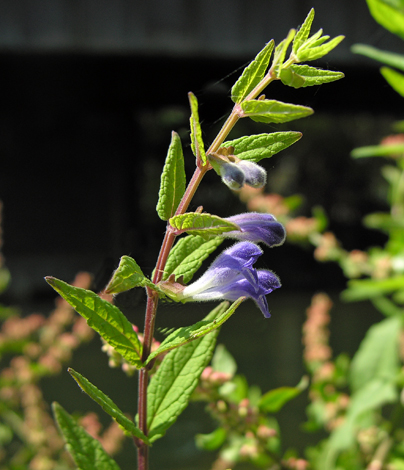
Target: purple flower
x,y
232,276
255,175
257,228
235,172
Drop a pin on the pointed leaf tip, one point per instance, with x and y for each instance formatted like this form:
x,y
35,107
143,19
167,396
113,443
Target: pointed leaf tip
x,y
197,144
172,185
104,318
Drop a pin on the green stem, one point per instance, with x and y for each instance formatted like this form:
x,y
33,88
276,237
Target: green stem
x,y
168,241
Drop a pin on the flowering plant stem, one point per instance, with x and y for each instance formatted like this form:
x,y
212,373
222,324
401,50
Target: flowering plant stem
x,y
152,297
231,277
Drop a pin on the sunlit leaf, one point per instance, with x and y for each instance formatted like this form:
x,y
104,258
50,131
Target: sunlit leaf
x,y
188,255
394,79
211,441
256,147
252,74
172,185
298,76
107,405
105,318
390,14
127,276
280,52
171,387
197,144
86,451
274,400
389,58
377,356
187,334
274,111
303,32
318,50
202,224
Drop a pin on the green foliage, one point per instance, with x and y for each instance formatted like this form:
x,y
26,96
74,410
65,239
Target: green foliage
x,y
202,224
172,185
188,255
223,361
107,405
280,52
307,48
86,451
386,57
171,387
298,76
187,334
389,13
394,79
127,276
377,357
274,111
377,150
104,318
276,399
256,147
197,144
253,74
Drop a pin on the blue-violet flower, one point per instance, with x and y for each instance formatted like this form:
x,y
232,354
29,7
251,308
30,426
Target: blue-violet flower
x,y
235,173
258,228
232,276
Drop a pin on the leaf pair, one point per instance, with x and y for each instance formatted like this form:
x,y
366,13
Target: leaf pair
x,y
256,76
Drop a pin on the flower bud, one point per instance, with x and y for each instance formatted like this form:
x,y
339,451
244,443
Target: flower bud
x,y
255,175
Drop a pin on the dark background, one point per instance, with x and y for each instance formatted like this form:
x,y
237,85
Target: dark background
x,y
90,92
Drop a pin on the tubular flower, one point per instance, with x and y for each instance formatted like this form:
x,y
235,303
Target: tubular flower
x,y
235,173
257,228
232,276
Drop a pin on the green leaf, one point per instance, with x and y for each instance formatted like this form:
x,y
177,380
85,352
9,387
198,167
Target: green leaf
x,y
205,225
187,334
394,79
273,111
188,255
386,57
223,361
183,248
377,356
274,400
298,76
389,14
104,318
127,276
211,441
280,52
318,49
107,405
256,147
171,387
377,151
172,185
303,32
86,451
362,289
252,74
197,144
371,396
383,221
